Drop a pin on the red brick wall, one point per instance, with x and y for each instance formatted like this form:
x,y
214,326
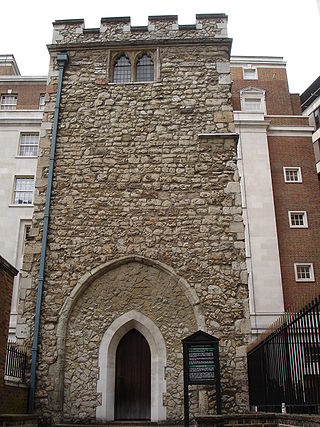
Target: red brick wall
x,y
28,94
6,284
288,121
273,81
296,245
12,399
296,104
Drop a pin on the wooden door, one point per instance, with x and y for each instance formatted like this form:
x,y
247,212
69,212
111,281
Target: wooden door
x,y
133,378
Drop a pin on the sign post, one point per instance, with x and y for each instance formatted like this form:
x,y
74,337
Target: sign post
x,y
200,366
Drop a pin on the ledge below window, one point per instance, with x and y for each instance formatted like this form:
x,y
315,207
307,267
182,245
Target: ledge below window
x,y
222,135
21,206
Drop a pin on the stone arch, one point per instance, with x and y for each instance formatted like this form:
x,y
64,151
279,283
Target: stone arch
x,y
57,370
107,356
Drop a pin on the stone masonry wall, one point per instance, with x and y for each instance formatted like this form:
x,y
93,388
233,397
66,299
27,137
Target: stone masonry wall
x,y
133,177
158,28
130,287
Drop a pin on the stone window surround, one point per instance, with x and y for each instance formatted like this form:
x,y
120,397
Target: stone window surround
x,y
8,106
253,70
107,360
311,272
250,93
305,219
134,56
294,168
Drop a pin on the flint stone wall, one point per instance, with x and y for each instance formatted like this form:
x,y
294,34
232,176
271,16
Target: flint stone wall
x,y
132,176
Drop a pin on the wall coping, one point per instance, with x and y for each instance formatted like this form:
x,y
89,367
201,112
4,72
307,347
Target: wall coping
x,y
8,267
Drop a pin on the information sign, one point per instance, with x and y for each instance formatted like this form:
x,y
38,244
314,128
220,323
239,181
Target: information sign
x,y
200,366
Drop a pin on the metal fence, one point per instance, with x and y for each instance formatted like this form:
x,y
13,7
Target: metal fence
x,y
283,367
16,361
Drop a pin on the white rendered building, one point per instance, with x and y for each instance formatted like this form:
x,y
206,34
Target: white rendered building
x,y
21,110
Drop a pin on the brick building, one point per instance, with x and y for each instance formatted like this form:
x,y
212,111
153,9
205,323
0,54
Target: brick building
x,y
145,242
21,110
280,191
13,396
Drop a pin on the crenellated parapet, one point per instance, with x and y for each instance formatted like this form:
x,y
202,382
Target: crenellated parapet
x,y
117,29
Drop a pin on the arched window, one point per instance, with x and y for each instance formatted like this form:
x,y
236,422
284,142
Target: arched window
x,y
144,69
122,70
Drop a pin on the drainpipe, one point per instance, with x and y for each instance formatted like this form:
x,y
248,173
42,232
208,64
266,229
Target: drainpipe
x,y
62,59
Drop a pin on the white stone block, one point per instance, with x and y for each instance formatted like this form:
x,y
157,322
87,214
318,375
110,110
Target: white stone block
x,y
56,37
23,331
224,79
223,67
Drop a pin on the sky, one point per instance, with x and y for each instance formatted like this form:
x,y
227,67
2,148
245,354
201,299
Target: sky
x,y
287,28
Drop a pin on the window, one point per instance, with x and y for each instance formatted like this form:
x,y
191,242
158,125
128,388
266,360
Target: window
x,y
298,219
304,272
252,104
316,114
27,229
41,101
122,70
144,69
29,144
133,66
252,99
250,74
292,174
8,102
23,191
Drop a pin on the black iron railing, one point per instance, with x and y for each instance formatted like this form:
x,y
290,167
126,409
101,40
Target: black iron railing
x,y
284,366
16,361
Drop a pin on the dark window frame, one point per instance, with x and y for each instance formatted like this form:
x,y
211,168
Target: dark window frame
x,y
133,56
121,72
147,69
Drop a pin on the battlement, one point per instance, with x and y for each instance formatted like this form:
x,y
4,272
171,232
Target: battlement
x,y
119,29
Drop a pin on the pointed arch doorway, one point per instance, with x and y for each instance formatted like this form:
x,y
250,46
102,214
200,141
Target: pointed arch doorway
x,y
133,378
107,364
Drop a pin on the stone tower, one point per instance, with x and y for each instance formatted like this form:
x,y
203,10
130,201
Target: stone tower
x,y
145,241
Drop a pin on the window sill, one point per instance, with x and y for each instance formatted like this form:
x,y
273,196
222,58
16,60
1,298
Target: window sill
x,y
304,280
26,157
254,111
21,206
132,83
299,226
14,382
